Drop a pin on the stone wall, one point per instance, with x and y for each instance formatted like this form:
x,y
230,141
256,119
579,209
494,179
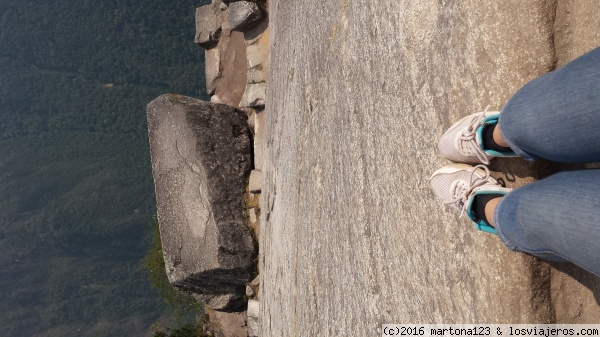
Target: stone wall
x,y
237,72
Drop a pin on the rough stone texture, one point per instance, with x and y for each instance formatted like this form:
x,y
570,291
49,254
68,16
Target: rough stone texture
x,y
577,28
208,25
200,161
255,226
257,53
252,215
250,292
254,95
243,15
255,182
212,69
225,65
253,318
226,324
230,86
259,136
255,284
352,236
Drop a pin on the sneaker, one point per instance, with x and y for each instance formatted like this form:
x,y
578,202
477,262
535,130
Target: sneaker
x,y
463,142
458,184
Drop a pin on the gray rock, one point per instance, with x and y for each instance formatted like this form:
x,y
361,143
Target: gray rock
x,y
200,161
225,324
257,53
255,95
249,291
252,215
243,15
259,136
252,319
255,285
208,25
212,68
255,183
351,139
221,302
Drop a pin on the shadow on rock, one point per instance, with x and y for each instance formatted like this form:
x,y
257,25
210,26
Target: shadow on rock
x,y
584,277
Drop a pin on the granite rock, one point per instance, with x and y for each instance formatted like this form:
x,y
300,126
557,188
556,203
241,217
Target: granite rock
x,y
259,136
255,183
243,15
255,95
201,158
212,69
208,25
252,319
359,94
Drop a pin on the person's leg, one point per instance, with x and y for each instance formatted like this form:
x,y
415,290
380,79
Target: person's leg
x,y
556,218
557,115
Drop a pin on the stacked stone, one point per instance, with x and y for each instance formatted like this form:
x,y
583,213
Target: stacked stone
x,y
231,31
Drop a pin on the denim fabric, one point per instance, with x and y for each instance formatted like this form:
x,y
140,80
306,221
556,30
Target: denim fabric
x,y
557,218
556,117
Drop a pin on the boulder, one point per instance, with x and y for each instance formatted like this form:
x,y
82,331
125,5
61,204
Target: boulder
x,y
257,52
244,15
255,182
255,95
208,25
201,158
225,324
252,319
259,136
212,68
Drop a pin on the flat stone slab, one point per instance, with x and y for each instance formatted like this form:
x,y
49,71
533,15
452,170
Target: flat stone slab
x,y
201,158
352,235
208,25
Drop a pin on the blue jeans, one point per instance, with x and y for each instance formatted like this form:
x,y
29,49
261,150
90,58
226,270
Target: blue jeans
x,y
556,117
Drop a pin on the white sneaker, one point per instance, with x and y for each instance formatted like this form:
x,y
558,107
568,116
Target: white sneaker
x,y
458,184
463,141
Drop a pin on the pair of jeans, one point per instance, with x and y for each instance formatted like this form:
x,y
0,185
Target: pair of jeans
x,y
556,117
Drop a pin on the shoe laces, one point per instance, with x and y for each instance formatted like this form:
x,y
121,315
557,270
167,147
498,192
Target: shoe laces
x,y
467,141
463,190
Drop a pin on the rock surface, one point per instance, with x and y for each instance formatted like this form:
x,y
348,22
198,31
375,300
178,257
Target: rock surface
x,y
259,136
255,181
252,320
208,25
243,15
257,53
352,236
200,161
254,96
225,61
212,69
226,324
